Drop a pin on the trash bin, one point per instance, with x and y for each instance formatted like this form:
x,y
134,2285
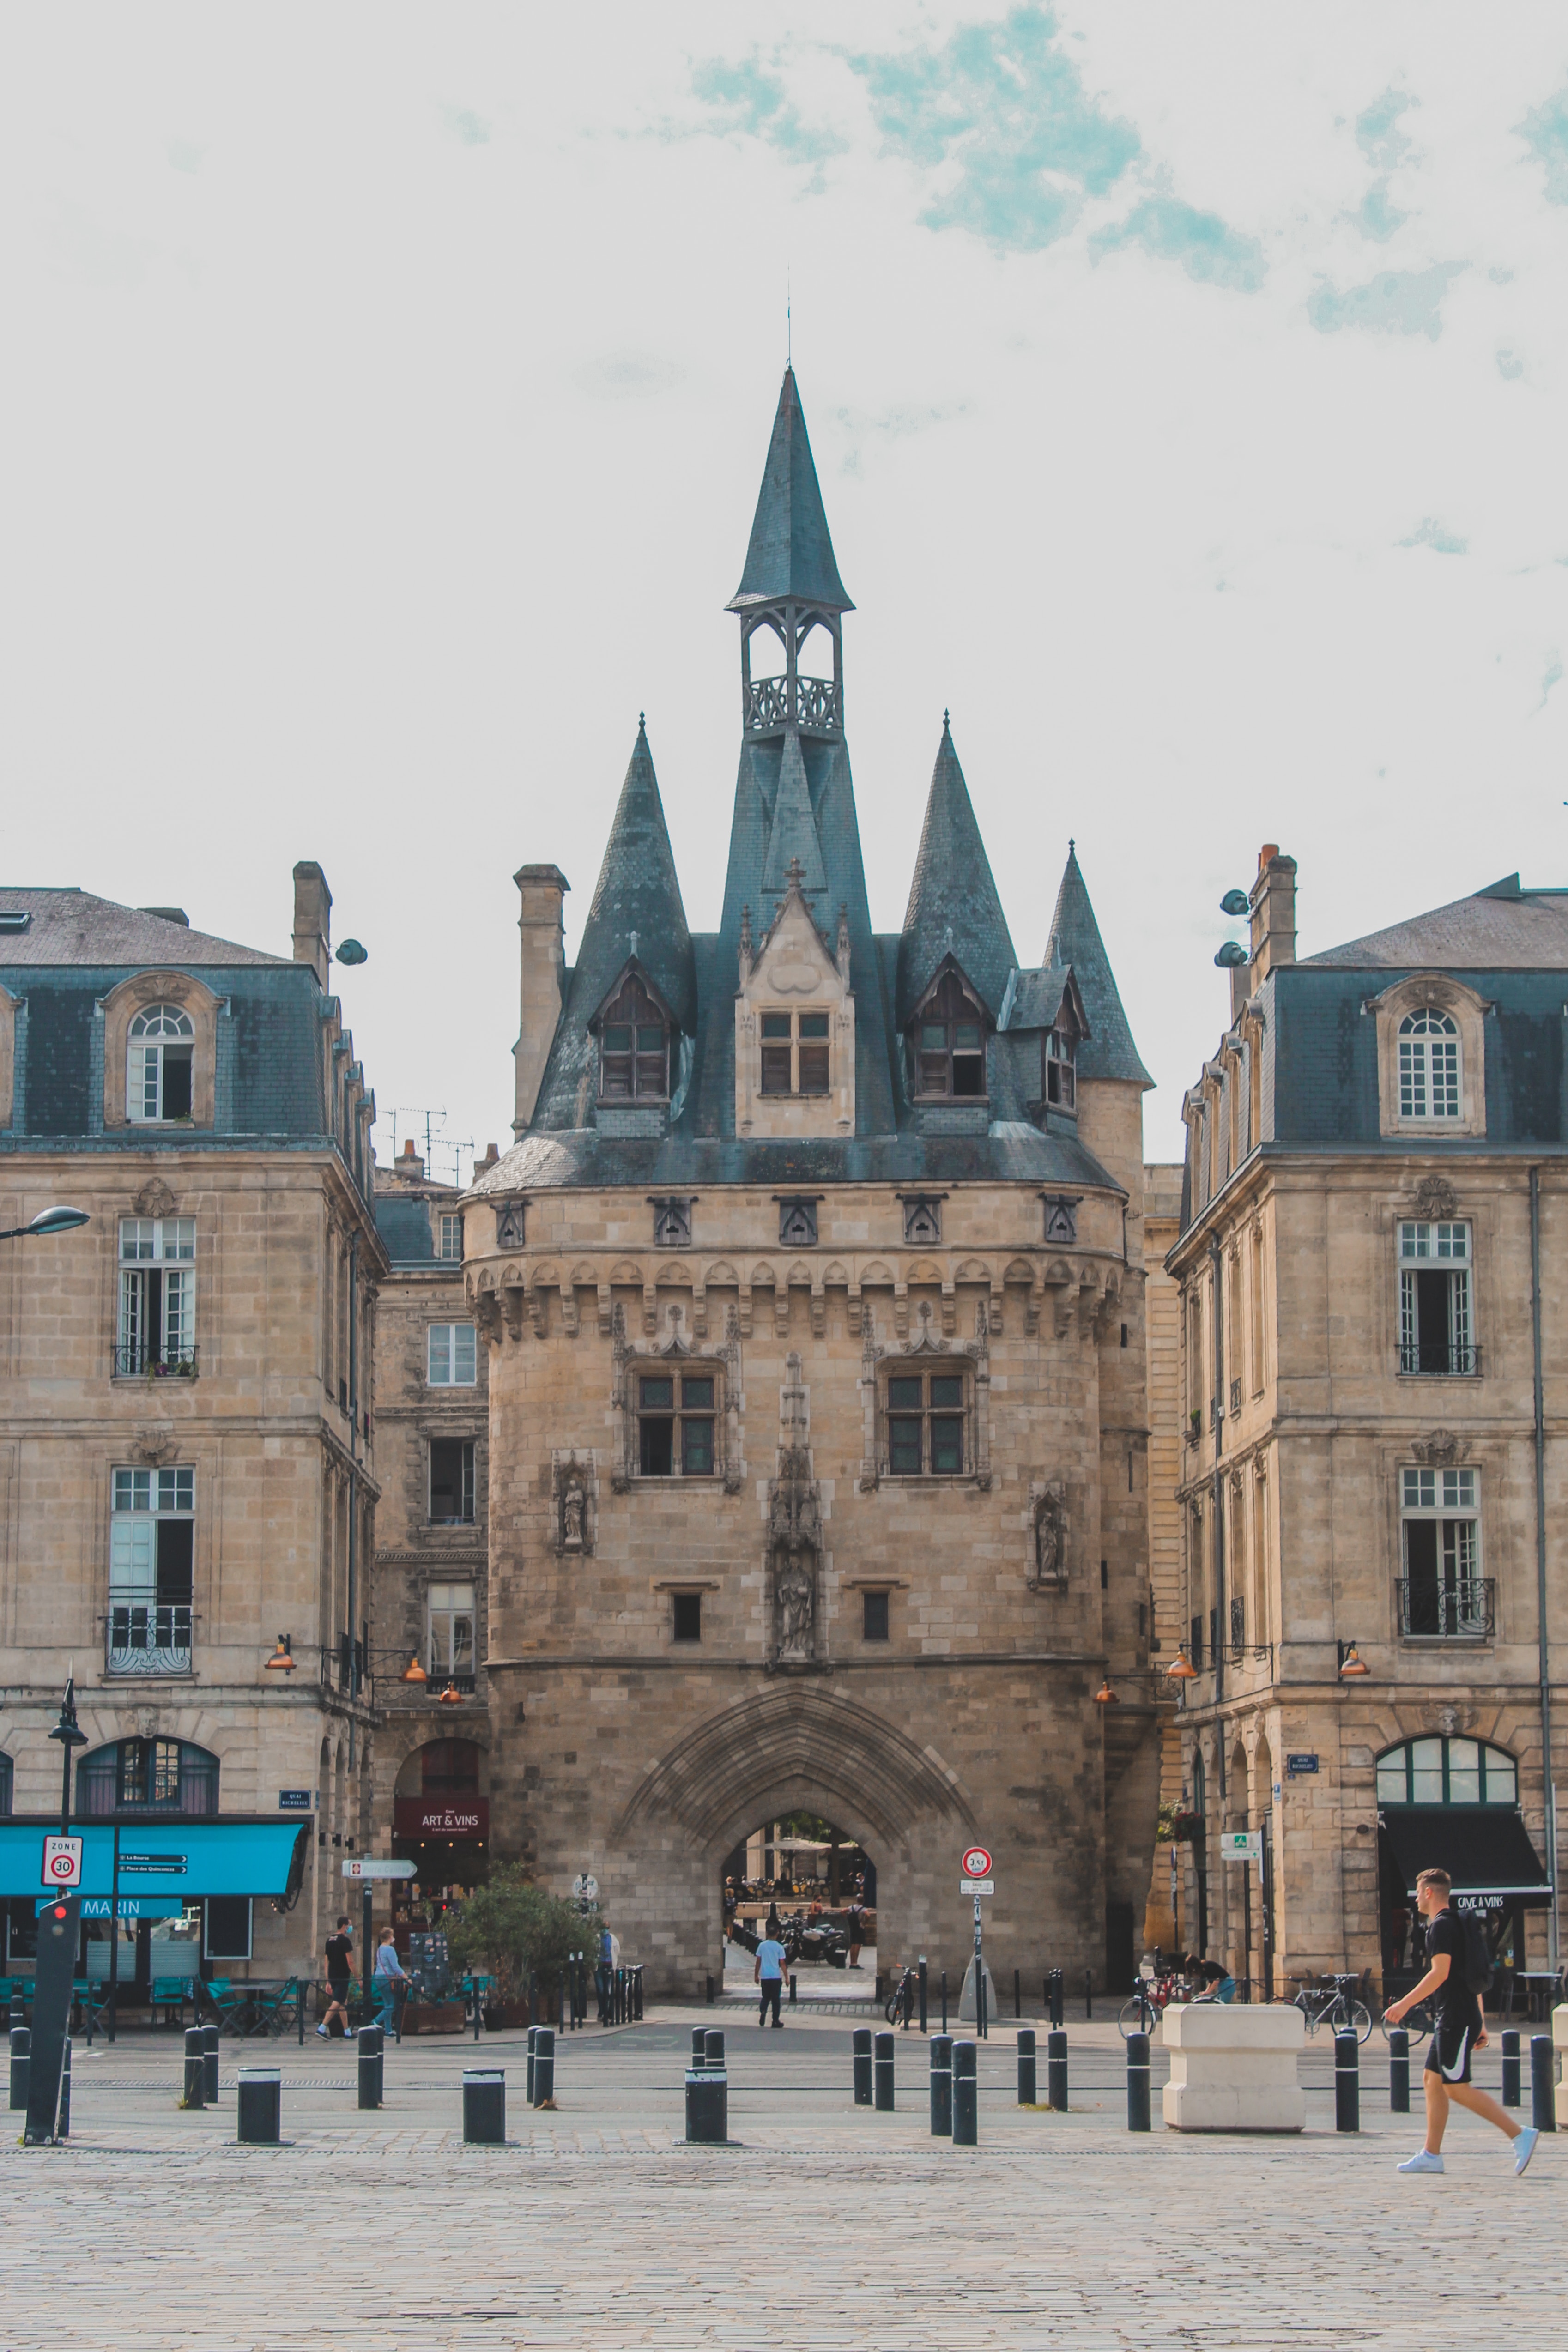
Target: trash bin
x,y
260,2103
484,2106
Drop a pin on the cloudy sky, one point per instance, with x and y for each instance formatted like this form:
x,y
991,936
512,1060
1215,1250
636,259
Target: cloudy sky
x,y
387,388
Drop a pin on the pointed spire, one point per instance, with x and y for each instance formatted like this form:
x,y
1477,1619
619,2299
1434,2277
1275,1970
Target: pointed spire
x,y
1109,1051
790,558
793,835
954,909
637,907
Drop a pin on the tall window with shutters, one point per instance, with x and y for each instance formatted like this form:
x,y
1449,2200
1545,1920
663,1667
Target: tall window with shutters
x,y
152,1558
158,1072
157,1326
1435,1326
1429,1065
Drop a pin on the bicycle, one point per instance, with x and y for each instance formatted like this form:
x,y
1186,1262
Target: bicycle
x,y
1416,2022
1143,2012
901,2001
1331,2003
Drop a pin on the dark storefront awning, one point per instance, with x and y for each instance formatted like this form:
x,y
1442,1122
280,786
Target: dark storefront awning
x,y
1485,1849
167,1857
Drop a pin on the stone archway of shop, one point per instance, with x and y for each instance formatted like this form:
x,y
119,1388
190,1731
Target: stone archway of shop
x,y
446,1779
792,1748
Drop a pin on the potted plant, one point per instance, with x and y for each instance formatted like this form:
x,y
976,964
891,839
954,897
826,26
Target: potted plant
x,y
513,1931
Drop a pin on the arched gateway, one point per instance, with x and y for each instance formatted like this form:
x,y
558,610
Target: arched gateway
x,y
812,1296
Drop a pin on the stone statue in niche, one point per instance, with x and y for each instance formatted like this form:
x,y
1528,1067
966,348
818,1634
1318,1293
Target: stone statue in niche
x,y
797,1607
1049,1565
574,1504
795,1541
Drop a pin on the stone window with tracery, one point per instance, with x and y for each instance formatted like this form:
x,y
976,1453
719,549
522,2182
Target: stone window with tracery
x,y
634,1048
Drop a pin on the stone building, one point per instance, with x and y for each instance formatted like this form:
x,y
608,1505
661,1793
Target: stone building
x,y
430,1803
186,1431
1167,1555
812,1297
1373,1196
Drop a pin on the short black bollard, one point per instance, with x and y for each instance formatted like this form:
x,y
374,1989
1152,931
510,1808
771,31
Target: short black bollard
x,y
209,2042
533,2033
1087,1994
1399,2071
1027,2082
965,2094
544,2067
699,2045
484,2106
713,2050
195,2091
21,2064
1347,2082
1057,2070
708,2106
709,1992
882,2073
1543,2109
1138,2082
942,2087
1511,2088
1018,1995
924,2027
63,2128
861,2040
944,2000
791,1989
259,2120
369,2065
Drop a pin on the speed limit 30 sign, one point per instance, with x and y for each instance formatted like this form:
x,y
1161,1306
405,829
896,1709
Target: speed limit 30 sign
x,y
62,1861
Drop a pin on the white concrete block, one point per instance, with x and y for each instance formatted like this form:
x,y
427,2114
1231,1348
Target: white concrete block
x,y
1233,2069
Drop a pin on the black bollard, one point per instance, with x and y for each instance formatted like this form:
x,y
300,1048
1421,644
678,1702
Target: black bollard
x,y
533,2031
861,2040
1543,2108
700,2046
209,2043
1057,2071
942,2087
1511,2090
713,2050
195,2090
709,1992
561,2011
1138,2082
259,2121
1018,1995
1087,1994
882,2073
63,2128
484,2106
923,2020
369,2065
708,2106
21,2063
792,1989
944,2000
1027,2084
1399,2071
1347,2082
965,2094
544,2067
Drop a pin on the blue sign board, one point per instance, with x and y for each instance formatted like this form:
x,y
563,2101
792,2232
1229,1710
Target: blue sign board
x,y
295,1801
181,1860
1294,1764
129,1907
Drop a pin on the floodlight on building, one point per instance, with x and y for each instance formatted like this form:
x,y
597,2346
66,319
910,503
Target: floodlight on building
x,y
1235,902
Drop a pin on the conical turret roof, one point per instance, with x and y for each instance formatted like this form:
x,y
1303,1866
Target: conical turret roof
x,y
1109,1051
954,908
790,558
793,834
637,909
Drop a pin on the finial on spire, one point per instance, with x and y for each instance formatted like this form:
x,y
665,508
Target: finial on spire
x,y
946,717
642,722
794,873
1072,846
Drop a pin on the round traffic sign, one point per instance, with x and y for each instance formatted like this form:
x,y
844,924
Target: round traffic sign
x,y
62,1869
977,1863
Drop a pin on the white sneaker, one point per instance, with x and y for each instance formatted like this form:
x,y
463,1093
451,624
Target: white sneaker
x,y
323,2034
1425,2161
1524,2146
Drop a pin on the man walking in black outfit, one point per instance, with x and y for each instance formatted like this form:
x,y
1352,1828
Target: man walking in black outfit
x,y
1460,2029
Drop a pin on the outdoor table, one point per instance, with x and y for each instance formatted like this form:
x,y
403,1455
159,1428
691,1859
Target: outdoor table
x,y
1539,1987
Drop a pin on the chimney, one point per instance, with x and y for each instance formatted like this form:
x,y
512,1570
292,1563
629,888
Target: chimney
x,y
312,920
543,888
489,1159
1272,900
408,1164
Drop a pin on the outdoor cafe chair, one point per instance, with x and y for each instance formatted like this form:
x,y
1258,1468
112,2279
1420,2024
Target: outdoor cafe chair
x,y
275,2008
171,1993
230,2003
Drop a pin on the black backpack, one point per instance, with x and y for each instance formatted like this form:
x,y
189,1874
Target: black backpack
x,y
1478,1959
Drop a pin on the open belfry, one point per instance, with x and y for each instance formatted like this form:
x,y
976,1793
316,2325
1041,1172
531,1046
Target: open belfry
x,y
813,1294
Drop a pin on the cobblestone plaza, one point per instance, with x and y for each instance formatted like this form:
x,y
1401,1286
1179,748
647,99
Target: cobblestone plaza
x,y
597,2226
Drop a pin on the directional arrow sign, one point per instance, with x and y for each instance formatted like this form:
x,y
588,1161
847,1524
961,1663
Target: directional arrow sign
x,y
379,1869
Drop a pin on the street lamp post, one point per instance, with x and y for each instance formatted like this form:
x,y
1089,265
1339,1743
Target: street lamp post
x,y
47,1220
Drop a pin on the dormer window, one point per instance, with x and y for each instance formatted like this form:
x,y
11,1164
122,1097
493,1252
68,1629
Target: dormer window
x,y
1429,1065
1061,1078
794,1053
947,1043
634,1048
158,1065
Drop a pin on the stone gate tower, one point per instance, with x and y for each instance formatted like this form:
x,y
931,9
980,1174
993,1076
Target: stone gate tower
x,y
812,1291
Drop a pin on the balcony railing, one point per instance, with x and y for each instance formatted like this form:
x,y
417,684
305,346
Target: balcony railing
x,y
1446,1613
141,1358
143,1639
818,708
1437,1356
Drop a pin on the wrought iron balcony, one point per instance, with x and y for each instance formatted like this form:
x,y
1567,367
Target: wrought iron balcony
x,y
143,1638
1431,1611
141,1358
1437,1356
819,709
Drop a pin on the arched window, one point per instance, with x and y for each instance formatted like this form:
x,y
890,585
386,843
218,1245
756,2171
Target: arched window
x,y
158,1065
1447,1772
1429,1065
947,1043
148,1776
634,1048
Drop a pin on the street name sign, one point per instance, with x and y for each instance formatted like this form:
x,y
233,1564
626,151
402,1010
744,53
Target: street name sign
x,y
379,1869
62,1861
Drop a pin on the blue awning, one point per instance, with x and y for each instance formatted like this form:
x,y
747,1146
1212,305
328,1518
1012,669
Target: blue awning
x,y
182,1859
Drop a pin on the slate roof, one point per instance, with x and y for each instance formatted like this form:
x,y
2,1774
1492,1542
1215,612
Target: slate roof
x,y
1036,998
1503,927
1014,1151
790,558
1109,1051
953,908
73,927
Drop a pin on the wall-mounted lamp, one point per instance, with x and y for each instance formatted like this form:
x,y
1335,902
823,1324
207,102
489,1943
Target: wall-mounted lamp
x,y
414,1672
281,1662
1180,1669
1105,1696
1349,1663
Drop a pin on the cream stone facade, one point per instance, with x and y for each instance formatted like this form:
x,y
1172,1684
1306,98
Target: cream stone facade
x,y
1167,1563
186,1411
1372,1479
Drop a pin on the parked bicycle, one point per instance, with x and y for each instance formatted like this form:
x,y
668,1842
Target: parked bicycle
x,y
1333,2003
901,2002
1418,2023
1156,1990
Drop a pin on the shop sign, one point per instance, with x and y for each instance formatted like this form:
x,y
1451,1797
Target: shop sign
x,y
129,1907
429,1817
